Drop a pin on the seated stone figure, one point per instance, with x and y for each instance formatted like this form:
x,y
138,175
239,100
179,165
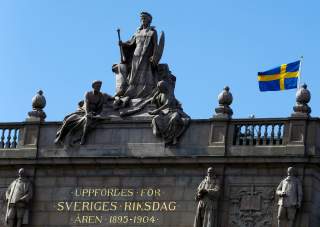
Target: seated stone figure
x,y
87,115
71,123
169,121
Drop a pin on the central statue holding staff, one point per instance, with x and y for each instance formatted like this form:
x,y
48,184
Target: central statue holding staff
x,y
138,70
140,54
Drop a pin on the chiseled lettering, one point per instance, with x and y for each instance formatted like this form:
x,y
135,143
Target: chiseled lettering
x,y
85,192
91,191
68,205
110,192
163,207
105,206
104,192
150,192
77,220
85,206
147,206
117,192
114,206
155,206
97,206
60,206
77,192
130,192
85,219
94,220
172,206
127,206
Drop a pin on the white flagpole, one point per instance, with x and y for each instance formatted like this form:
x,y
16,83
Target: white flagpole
x,y
300,69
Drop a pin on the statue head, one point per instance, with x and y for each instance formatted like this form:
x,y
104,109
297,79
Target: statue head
x,y
211,172
291,171
96,85
145,18
21,173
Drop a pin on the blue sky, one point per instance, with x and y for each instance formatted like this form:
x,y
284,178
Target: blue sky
x,y
62,46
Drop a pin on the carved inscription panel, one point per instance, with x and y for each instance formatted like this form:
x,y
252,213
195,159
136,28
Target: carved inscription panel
x,y
116,206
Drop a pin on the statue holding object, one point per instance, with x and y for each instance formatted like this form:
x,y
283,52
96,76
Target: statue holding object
x,y
137,93
18,197
207,196
137,74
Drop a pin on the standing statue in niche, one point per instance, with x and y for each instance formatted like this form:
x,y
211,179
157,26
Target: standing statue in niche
x,y
169,121
207,194
290,197
87,115
139,63
18,196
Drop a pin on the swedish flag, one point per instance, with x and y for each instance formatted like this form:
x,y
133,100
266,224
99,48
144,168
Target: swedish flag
x,y
281,78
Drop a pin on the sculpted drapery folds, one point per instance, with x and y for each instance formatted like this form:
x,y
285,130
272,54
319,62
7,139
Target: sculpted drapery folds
x,y
137,94
169,121
140,54
87,115
18,196
207,196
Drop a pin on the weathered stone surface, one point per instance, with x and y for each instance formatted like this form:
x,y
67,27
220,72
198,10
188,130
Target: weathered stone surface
x,y
126,155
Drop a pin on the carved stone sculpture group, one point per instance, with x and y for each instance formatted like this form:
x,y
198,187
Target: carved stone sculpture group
x,y
144,88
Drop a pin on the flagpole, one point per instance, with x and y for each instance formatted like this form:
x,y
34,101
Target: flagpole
x,y
300,70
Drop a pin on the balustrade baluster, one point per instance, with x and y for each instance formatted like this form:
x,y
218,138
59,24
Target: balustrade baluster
x,y
279,134
2,138
14,139
252,142
239,135
265,135
272,139
236,135
246,135
8,143
259,142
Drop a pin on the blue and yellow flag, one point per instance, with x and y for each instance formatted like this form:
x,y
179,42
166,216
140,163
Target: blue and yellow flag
x,y
281,78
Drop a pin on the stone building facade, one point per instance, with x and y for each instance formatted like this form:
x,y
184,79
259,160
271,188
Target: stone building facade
x,y
125,176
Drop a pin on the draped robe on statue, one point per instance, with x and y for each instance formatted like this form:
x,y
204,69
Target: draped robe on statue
x,y
138,51
206,215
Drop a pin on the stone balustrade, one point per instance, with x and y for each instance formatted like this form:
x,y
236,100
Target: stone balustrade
x,y
9,135
218,137
256,132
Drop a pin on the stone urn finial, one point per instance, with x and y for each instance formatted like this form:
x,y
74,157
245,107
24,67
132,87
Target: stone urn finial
x,y
225,99
303,97
38,104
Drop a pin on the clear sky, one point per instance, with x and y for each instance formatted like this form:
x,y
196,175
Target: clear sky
x,y
62,46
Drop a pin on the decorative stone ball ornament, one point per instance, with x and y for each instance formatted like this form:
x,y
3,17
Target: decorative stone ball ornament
x,y
38,104
225,99
38,101
303,97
